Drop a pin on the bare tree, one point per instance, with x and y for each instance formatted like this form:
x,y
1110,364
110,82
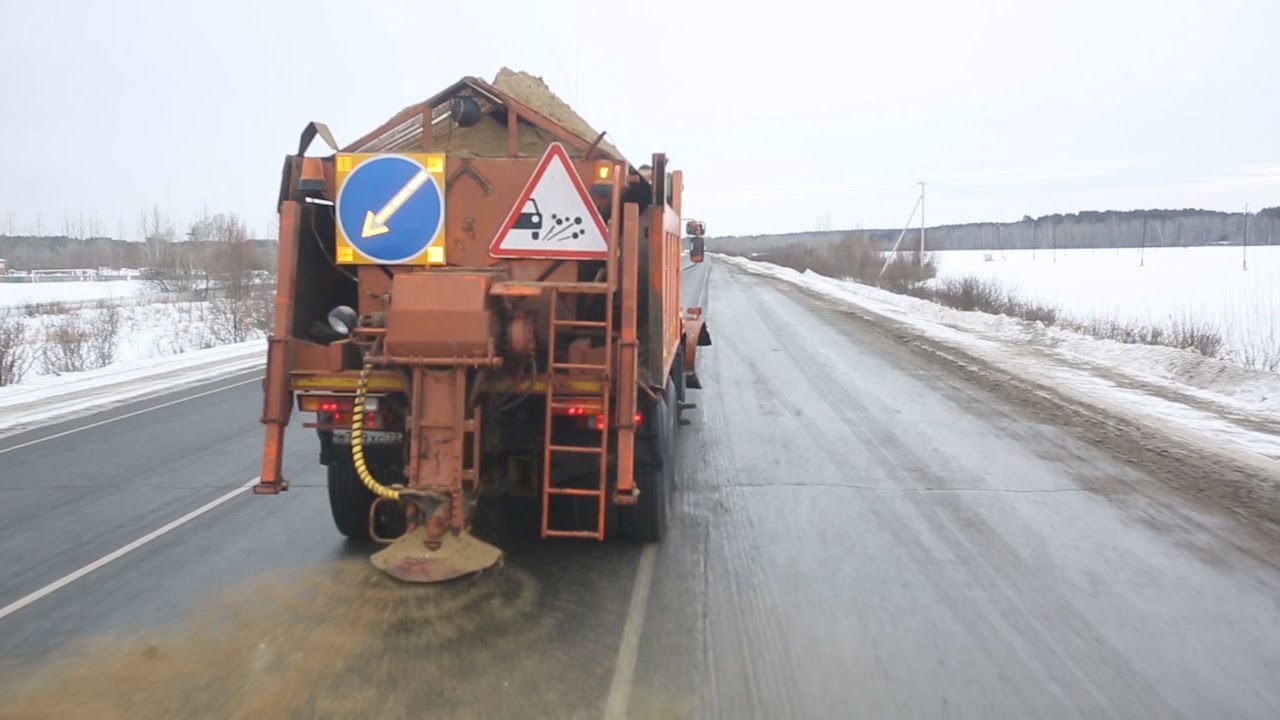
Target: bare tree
x,y
172,266
158,233
241,308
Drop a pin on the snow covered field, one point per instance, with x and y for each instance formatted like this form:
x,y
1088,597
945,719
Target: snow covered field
x,y
1221,404
19,294
93,355
81,347
146,331
1154,286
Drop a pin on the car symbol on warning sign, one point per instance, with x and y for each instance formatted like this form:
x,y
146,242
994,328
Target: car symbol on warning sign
x,y
553,217
530,219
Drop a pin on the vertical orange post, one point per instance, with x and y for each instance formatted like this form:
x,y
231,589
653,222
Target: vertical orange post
x,y
513,132
426,128
628,355
438,423
676,308
277,400
615,223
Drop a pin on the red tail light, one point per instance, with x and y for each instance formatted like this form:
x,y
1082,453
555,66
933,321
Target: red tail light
x,y
599,421
588,415
334,411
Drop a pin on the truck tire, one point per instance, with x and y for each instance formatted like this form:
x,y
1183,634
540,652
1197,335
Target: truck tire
x,y
678,377
349,500
646,521
671,459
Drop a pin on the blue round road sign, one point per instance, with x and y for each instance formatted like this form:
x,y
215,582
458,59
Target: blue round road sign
x,y
390,208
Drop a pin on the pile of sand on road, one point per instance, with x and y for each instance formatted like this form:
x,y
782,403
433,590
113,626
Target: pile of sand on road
x,y
340,642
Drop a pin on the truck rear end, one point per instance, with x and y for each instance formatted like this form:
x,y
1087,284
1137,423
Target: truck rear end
x,y
483,298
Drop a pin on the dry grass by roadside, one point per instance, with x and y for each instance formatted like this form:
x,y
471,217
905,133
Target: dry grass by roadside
x,y
855,258
975,294
85,340
971,293
1183,333
16,357
39,309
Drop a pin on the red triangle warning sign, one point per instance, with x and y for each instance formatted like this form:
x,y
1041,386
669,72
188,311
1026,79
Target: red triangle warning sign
x,y
553,217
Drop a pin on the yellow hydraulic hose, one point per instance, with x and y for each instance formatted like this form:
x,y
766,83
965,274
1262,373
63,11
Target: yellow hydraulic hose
x,y
357,440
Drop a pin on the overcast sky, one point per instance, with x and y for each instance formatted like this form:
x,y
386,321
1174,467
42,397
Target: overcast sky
x,y
1004,107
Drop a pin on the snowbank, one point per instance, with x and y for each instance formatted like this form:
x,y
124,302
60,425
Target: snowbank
x,y
85,357
60,397
19,294
1211,397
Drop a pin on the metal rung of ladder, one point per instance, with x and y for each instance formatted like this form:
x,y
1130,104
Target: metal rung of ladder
x,y
595,324
580,366
585,288
579,449
575,492
569,533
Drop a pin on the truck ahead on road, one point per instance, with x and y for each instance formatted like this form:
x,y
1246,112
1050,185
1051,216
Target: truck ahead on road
x,y
483,298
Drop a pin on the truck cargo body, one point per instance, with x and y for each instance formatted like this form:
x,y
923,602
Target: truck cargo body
x,y
529,336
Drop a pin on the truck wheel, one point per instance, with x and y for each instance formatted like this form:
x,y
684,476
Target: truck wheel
x,y
646,521
678,376
671,460
349,500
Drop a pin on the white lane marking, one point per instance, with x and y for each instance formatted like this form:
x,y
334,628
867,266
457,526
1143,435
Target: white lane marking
x,y
64,581
64,433
624,668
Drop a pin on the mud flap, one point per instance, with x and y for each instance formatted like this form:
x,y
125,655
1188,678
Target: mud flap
x,y
409,558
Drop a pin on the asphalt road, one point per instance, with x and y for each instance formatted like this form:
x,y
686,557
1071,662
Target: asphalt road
x,y
861,532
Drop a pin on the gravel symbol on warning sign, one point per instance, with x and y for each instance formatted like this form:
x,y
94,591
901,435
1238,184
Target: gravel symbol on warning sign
x,y
553,217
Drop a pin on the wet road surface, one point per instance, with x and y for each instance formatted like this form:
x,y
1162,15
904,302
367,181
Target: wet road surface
x,y
860,533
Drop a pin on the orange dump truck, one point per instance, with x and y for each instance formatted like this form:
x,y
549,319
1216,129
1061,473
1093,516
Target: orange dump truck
x,y
482,298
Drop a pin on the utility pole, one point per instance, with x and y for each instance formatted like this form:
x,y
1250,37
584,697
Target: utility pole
x,y
1142,252
920,254
1244,248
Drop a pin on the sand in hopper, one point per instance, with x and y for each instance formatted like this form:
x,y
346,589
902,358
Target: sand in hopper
x,y
535,93
488,137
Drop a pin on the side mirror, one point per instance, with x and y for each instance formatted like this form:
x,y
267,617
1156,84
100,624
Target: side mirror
x,y
695,227
696,248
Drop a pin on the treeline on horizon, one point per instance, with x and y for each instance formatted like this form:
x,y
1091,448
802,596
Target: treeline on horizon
x,y
1085,229
166,247
208,241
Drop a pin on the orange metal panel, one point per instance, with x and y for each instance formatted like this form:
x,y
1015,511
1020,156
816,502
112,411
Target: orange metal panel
x,y
276,397
615,219
627,354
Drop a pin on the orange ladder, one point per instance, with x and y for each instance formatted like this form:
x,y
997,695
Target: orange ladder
x,y
557,373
